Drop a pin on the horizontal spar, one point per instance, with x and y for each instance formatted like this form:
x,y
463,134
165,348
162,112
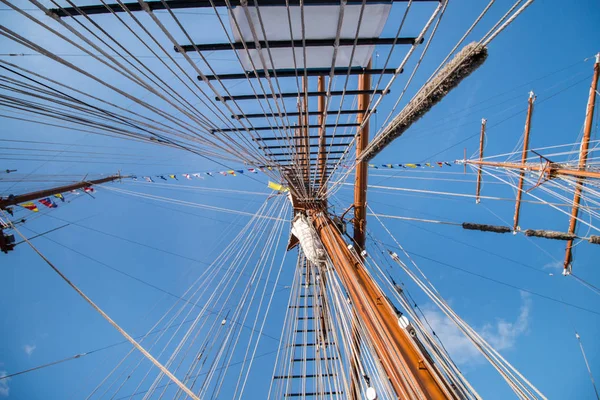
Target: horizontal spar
x,y
296,114
312,152
309,94
291,73
302,146
284,44
336,158
344,136
178,4
272,128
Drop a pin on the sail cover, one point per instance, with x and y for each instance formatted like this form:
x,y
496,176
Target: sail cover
x,y
320,22
309,240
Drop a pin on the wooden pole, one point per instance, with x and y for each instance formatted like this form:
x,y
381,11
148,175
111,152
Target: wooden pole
x,y
23,198
305,139
523,159
322,142
360,183
583,155
410,372
481,142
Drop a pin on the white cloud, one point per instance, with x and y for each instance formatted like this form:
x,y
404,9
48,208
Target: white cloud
x,y
29,349
555,265
4,389
460,348
502,335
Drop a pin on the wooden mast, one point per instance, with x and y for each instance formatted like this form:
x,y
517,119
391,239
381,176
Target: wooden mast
x,y
583,155
360,183
481,142
322,141
410,372
408,369
523,159
305,136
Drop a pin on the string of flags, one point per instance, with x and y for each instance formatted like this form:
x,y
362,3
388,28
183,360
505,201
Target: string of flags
x,y
409,165
236,172
50,203
202,175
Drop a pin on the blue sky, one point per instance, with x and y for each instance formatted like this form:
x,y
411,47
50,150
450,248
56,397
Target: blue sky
x,y
480,274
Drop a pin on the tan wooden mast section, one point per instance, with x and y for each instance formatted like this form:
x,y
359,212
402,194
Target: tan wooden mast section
x,y
409,370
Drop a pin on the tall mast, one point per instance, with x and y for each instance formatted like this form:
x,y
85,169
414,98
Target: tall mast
x,y
360,183
523,159
410,372
322,139
481,142
40,194
583,155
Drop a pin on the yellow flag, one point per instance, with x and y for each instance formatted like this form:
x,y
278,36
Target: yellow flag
x,y
411,165
277,186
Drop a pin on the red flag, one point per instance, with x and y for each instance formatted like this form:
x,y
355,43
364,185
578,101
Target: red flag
x,y
88,189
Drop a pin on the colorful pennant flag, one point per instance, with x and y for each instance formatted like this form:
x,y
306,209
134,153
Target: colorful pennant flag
x,y
440,164
209,174
162,177
173,177
447,163
252,170
187,176
411,165
48,203
241,171
231,172
75,191
197,175
224,173
88,189
30,207
148,179
373,166
60,196
277,186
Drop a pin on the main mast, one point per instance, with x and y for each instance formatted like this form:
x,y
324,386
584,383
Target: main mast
x,y
410,370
